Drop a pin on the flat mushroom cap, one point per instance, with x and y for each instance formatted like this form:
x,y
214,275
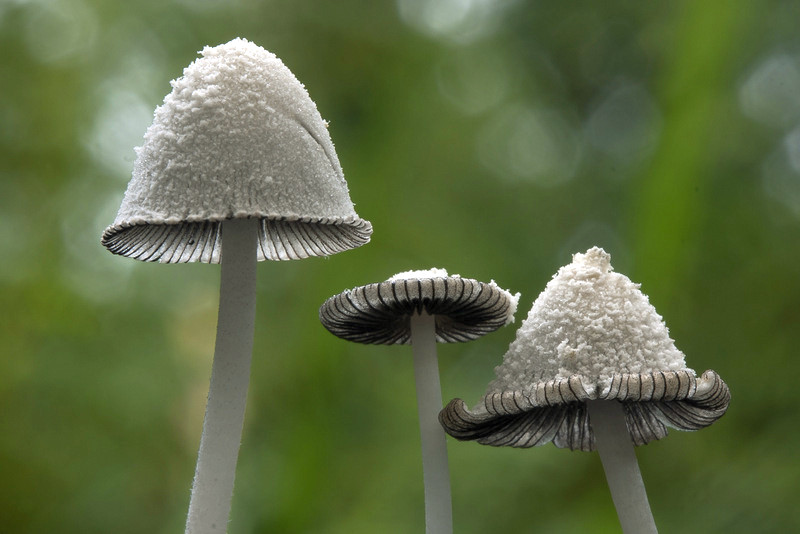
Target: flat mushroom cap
x,y
238,137
464,309
591,334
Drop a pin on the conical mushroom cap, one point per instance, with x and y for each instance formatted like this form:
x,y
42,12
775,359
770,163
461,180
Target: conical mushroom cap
x,y
592,322
591,335
238,137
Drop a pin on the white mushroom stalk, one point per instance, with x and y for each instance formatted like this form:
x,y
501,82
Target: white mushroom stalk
x,y
593,368
423,308
435,467
212,489
624,478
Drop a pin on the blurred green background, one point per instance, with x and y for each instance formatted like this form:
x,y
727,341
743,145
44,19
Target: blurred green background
x,y
493,138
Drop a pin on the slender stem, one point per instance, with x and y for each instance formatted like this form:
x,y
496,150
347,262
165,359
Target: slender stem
x,y
619,463
212,489
436,474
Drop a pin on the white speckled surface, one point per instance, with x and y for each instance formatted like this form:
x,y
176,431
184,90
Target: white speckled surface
x,y
238,136
589,321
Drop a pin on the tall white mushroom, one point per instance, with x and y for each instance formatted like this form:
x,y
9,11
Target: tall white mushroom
x,y
237,167
421,308
593,367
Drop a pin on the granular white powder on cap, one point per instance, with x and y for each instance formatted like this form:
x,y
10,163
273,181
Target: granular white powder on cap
x,y
588,321
434,272
238,136
425,273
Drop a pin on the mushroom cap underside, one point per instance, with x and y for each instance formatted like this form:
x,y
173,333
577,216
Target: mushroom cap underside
x,y
279,238
464,309
556,410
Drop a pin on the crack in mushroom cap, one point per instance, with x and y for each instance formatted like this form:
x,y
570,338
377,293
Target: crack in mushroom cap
x,y
380,313
591,334
238,137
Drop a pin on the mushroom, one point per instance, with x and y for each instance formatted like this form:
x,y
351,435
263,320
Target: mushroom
x,y
593,367
421,308
237,167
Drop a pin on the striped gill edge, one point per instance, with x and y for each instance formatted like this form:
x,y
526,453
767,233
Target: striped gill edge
x,y
279,239
555,410
465,309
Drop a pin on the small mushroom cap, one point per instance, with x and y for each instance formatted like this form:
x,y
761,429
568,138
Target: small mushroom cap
x,y
238,137
464,308
591,334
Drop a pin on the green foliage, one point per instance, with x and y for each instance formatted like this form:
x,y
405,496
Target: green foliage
x,y
490,138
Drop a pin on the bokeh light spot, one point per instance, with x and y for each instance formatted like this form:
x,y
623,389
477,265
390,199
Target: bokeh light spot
x,y
792,144
770,92
523,143
780,173
625,123
473,81
59,30
460,21
119,126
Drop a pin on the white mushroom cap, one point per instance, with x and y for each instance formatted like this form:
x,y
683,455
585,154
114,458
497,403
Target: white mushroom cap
x,y
238,137
464,309
591,334
592,322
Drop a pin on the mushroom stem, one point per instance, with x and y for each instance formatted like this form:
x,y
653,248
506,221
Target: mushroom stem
x,y
212,489
436,474
619,463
